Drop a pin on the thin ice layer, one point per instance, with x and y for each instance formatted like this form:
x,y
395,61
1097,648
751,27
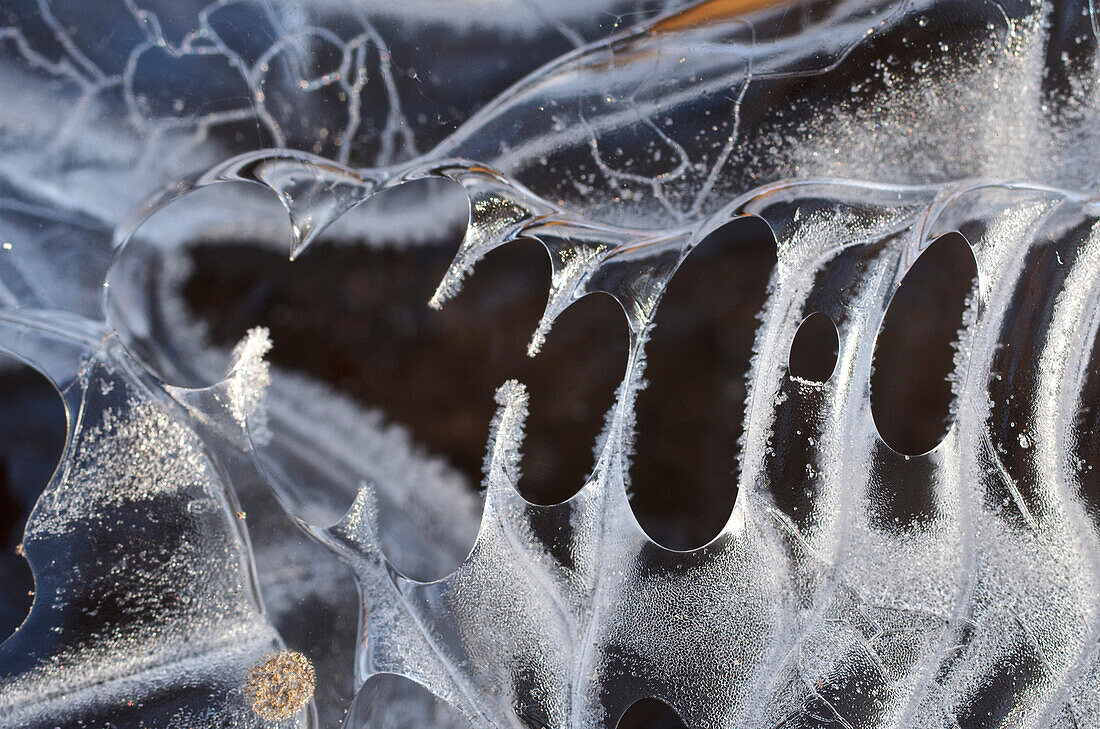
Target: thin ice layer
x,y
841,611
146,611
633,149
798,609
816,604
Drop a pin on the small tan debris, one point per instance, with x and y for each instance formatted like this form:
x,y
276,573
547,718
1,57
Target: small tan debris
x,y
279,685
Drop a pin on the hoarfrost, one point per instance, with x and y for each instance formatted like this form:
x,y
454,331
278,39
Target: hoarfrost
x,y
146,611
851,586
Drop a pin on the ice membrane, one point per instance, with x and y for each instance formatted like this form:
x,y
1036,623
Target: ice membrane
x,y
852,585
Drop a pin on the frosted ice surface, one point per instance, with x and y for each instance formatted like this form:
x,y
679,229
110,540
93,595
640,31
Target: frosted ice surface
x,y
146,610
859,131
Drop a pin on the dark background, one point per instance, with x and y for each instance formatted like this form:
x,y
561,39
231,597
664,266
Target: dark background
x,y
356,317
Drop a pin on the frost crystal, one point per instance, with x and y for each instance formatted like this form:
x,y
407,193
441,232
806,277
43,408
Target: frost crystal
x,y
144,599
852,585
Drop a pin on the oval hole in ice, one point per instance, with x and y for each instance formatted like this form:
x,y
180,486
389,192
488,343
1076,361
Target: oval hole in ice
x,y
354,315
814,349
389,701
572,384
911,398
147,281
690,417
32,437
650,713
1085,452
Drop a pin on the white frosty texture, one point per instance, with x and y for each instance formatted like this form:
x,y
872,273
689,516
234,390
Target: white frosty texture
x,y
860,132
146,612
102,104
981,612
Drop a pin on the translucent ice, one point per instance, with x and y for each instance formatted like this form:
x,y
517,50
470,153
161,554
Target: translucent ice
x,y
852,585
146,610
